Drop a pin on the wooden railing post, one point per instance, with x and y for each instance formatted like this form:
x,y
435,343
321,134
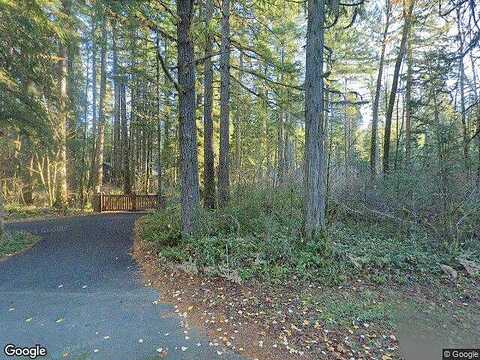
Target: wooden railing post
x,y
127,202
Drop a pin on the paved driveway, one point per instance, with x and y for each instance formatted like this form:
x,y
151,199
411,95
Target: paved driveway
x,y
79,293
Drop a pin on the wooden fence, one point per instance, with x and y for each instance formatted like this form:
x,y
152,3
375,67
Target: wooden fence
x,y
132,202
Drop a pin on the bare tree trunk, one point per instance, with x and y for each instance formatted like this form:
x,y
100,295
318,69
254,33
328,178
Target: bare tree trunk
x,y
127,188
99,149
83,171
166,153
116,165
91,179
378,89
223,168
328,143
134,108
444,193
208,154
314,202
238,126
399,132
462,92
393,92
347,121
188,130
266,131
408,104
61,184
477,98
159,122
27,189
2,214
281,128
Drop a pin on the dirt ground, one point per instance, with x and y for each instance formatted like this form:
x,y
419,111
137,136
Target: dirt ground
x,y
297,320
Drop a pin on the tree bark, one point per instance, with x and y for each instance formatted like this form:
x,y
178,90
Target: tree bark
x,y
224,158
238,125
188,130
408,103
99,149
84,172
477,99
159,121
281,127
91,179
2,214
314,202
208,154
127,187
378,89
116,165
393,92
61,194
462,92
134,109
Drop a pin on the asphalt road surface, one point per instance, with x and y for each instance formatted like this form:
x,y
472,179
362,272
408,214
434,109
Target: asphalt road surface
x,y
79,293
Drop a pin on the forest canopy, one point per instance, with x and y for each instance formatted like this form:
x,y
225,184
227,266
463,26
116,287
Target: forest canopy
x,y
193,100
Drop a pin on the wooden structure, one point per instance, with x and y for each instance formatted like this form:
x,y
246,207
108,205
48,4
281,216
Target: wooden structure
x,y
131,202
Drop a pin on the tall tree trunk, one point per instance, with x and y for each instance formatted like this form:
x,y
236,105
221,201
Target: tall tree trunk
x,y
208,154
127,188
91,180
134,109
442,166
399,131
238,126
99,148
477,99
408,103
61,183
27,173
188,129
281,126
116,163
166,152
378,89
347,121
159,121
462,91
2,214
223,168
84,172
393,92
314,202
266,131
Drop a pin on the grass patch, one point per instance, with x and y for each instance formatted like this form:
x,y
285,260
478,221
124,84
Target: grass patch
x,y
343,309
19,211
16,242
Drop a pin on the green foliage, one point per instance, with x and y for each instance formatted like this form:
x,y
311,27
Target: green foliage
x,y
20,211
343,309
162,229
26,76
259,235
15,242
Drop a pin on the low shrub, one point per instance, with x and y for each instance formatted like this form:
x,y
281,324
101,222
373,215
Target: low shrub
x,y
15,242
162,228
259,235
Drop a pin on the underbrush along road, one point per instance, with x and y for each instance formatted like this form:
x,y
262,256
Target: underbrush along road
x,y
79,294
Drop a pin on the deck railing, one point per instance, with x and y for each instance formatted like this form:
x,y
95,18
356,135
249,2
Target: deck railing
x,y
130,202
